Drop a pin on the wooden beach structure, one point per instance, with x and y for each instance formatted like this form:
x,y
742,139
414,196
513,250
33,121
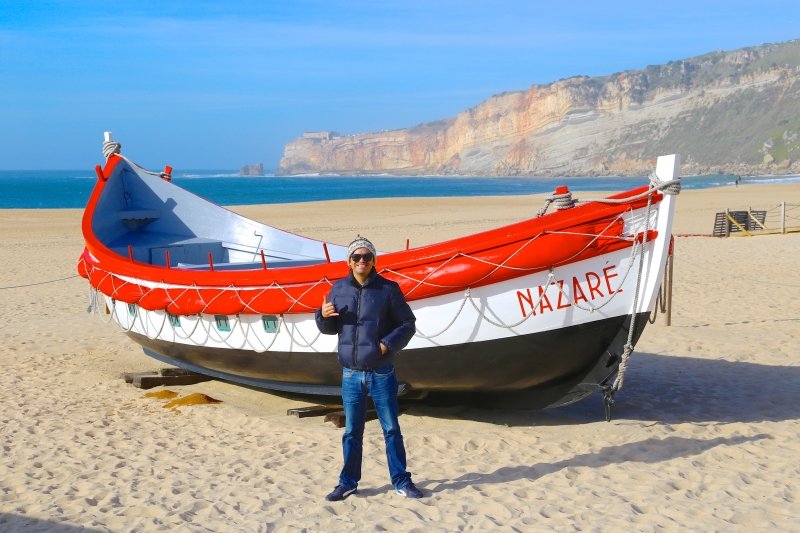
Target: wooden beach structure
x,y
782,218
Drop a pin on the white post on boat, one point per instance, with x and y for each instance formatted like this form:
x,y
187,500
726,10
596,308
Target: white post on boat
x,y
783,218
667,166
110,146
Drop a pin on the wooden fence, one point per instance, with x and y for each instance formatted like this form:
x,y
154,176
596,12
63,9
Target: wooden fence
x,y
783,218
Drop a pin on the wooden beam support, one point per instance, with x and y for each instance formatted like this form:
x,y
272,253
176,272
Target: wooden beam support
x,y
165,376
312,410
339,420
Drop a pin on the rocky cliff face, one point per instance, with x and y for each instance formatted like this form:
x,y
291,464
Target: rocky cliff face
x,y
735,112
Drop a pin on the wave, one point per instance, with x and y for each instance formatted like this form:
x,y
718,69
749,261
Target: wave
x,y
790,178
193,176
210,175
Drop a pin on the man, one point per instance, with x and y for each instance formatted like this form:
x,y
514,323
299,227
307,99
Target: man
x,y
374,322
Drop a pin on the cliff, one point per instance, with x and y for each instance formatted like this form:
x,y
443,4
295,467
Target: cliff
x,y
735,112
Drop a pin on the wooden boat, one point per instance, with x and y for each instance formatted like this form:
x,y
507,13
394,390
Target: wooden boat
x,y
550,304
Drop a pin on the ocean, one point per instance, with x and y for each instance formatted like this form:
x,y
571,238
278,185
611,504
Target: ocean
x,y
54,189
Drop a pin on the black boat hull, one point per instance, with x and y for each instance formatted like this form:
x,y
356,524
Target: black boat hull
x,y
559,366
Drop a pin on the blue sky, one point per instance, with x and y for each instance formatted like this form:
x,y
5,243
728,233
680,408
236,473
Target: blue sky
x,y
219,84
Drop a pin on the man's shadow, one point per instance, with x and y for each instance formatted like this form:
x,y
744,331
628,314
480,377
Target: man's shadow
x,y
16,522
649,451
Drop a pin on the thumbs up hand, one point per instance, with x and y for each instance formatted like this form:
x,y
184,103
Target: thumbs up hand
x,y
328,310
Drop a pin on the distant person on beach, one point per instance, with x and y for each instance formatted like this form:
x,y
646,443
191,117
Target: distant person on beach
x,y
374,322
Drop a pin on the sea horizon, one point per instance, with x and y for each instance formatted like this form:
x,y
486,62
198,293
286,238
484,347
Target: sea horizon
x,y
66,189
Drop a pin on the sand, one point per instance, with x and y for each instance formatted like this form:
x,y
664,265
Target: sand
x,y
704,434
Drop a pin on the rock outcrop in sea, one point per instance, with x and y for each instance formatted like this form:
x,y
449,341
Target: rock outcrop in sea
x,y
732,112
256,169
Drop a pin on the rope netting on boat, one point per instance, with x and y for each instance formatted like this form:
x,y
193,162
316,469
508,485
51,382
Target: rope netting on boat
x,y
154,305
153,324
277,298
459,271
200,328
421,278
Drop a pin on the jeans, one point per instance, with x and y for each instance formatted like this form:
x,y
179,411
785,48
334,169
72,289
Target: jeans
x,y
381,385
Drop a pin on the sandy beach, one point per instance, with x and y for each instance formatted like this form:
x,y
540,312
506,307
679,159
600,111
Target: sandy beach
x,y
704,435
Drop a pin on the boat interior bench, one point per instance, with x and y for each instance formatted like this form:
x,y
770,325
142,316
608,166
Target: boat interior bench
x,y
192,253
152,248
252,265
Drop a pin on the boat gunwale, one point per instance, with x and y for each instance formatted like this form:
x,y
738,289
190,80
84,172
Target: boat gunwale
x,y
98,254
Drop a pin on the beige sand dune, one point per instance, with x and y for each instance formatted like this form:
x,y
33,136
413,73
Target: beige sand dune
x,y
704,434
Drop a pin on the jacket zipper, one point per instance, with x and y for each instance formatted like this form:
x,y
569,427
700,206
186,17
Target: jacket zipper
x,y
358,327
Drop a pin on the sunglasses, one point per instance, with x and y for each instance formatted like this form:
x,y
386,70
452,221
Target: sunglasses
x,y
366,257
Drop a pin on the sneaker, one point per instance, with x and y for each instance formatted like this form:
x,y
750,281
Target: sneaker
x,y
410,491
340,493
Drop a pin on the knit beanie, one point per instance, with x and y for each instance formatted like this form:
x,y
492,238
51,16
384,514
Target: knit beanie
x,y
360,242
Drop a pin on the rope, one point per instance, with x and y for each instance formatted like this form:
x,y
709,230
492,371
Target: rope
x,y
94,306
550,281
264,347
565,200
189,335
498,266
628,349
153,330
146,324
39,283
468,297
421,335
660,307
671,187
222,339
305,343
297,303
591,308
561,201
302,341
110,148
140,167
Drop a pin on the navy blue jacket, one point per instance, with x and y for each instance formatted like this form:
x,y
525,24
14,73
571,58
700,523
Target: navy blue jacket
x,y
369,314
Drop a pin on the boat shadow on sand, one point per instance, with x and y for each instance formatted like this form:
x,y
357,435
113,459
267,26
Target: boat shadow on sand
x,y
666,389
648,451
661,389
